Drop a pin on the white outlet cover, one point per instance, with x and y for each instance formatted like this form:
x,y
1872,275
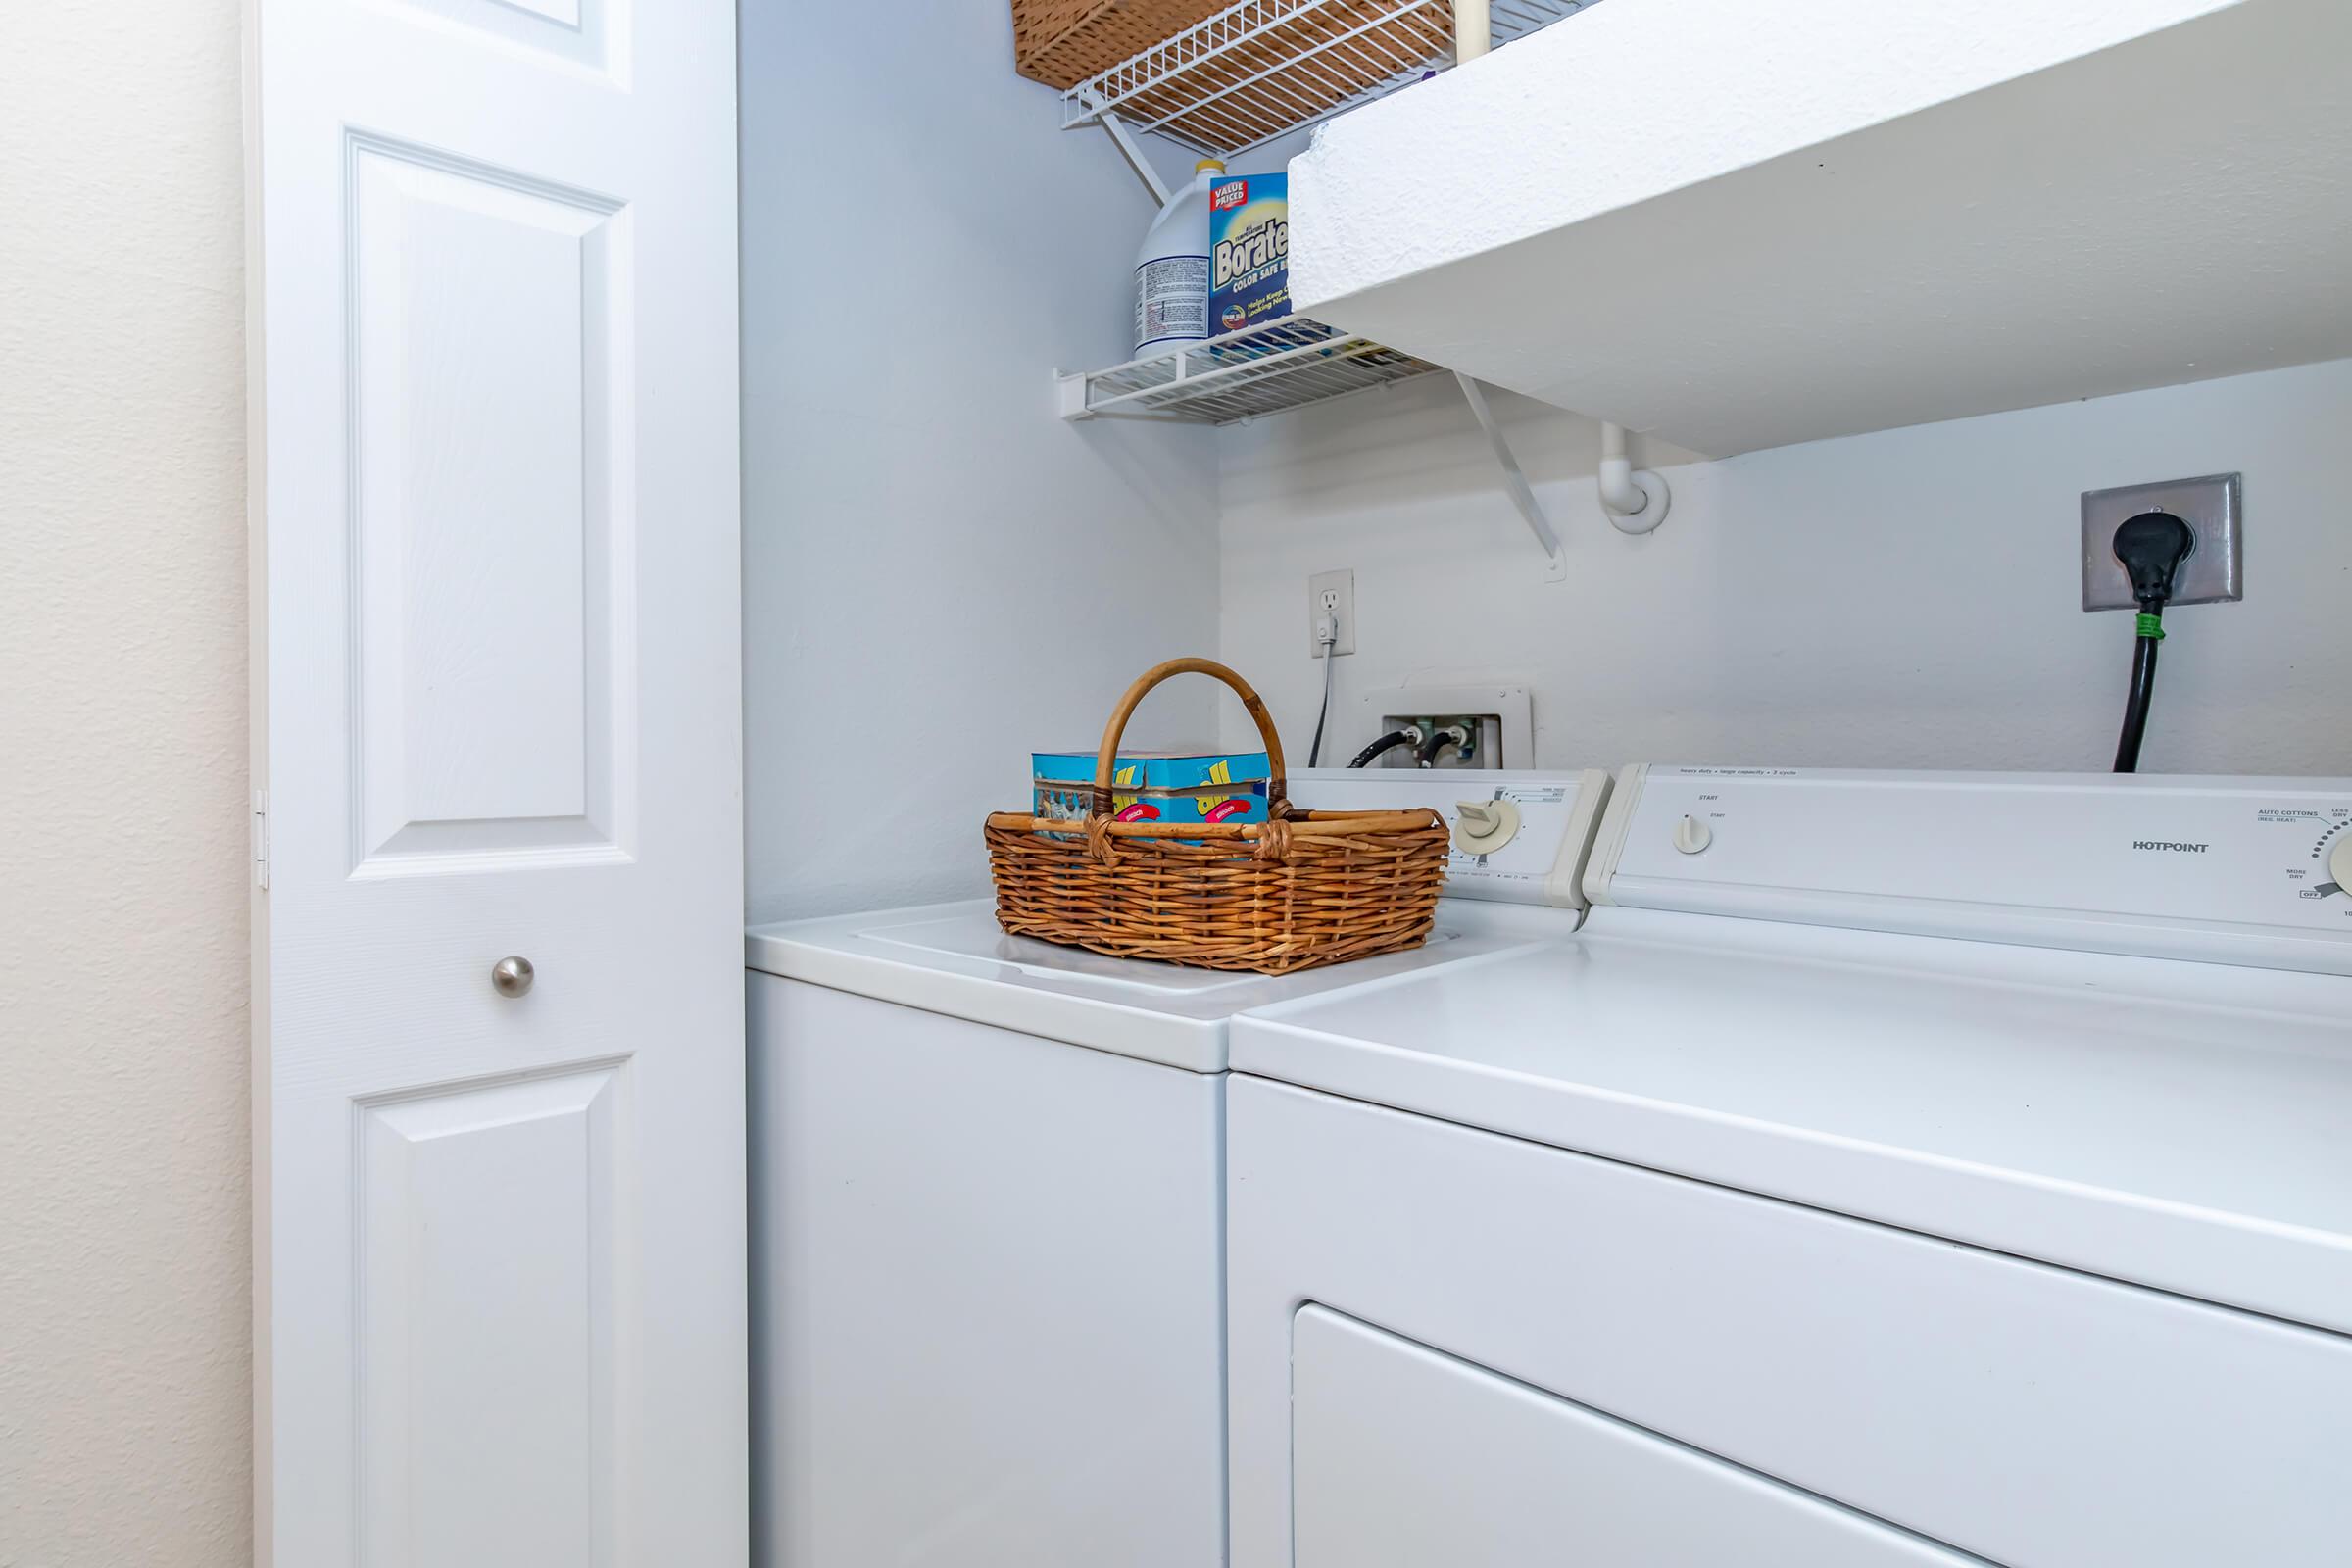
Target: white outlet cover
x,y
1343,584
2213,572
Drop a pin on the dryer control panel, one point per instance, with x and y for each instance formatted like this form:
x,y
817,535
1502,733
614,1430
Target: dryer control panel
x,y
2236,870
1518,837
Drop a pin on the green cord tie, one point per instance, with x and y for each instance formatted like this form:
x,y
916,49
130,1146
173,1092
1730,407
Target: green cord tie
x,y
2151,626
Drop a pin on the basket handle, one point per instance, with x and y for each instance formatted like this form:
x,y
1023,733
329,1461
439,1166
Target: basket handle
x,y
1277,786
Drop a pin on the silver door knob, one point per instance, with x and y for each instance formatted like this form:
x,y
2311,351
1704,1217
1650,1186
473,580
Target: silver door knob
x,y
512,977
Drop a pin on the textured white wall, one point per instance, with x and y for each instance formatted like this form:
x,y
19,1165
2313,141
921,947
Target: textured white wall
x,y
939,575
1908,598
125,1404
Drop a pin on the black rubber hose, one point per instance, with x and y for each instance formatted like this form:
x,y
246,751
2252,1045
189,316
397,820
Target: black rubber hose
x,y
2143,689
1387,743
1427,753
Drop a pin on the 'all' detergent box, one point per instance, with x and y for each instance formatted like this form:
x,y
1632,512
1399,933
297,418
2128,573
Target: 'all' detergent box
x,y
1249,251
1155,786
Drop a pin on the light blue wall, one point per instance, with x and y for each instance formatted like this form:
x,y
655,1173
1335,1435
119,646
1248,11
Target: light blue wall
x,y
939,575
1906,598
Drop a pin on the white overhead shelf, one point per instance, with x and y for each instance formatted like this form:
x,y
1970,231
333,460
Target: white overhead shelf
x,y
1740,225
1261,68
1237,377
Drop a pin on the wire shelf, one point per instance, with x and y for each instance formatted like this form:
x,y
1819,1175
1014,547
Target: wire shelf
x,y
1240,375
1261,68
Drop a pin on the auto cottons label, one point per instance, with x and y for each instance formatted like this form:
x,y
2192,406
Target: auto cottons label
x,y
1249,252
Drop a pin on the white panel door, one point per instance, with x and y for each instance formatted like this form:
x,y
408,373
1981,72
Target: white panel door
x,y
499,1239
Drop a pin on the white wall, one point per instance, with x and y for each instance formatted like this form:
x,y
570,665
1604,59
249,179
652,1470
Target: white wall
x,y
939,575
1908,598
124,1431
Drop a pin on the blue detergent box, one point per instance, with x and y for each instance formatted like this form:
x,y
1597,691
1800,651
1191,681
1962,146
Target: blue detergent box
x,y
1248,252
1155,786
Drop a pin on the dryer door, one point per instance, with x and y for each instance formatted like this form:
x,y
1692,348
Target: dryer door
x,y
1404,1457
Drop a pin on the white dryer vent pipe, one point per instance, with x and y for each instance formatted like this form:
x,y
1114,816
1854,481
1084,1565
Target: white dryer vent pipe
x,y
1635,499
1472,29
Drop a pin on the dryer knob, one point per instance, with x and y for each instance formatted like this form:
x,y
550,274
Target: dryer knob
x,y
2339,861
1690,835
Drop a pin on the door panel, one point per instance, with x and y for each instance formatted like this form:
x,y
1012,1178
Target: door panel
x,y
504,1196
491,420
583,32
499,1239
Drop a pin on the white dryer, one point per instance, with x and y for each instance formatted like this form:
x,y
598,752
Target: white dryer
x,y
988,1209
1896,1169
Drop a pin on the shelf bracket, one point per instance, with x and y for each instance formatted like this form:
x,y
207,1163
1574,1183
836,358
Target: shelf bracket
x,y
1131,150
1514,481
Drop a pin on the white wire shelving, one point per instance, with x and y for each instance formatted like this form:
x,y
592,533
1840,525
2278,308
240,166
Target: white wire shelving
x,y
1261,68
1256,70
1239,377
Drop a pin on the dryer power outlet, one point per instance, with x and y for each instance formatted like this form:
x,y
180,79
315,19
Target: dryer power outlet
x,y
2213,507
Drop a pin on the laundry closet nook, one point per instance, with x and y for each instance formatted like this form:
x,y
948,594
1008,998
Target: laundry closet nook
x,y
1177,783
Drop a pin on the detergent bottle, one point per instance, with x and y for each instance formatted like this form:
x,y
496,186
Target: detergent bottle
x,y
1171,269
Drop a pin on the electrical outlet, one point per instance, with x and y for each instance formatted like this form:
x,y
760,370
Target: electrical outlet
x,y
1333,594
2213,507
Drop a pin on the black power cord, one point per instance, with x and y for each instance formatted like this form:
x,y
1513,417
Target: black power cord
x,y
1387,743
2151,545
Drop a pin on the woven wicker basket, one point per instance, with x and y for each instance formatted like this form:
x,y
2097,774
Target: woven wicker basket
x,y
1297,891
1062,42
1357,43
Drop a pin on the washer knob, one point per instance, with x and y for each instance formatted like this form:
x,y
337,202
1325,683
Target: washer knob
x,y
2339,861
1481,827
1690,835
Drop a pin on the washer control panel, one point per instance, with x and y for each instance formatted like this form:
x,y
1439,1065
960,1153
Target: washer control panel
x,y
2249,870
1518,837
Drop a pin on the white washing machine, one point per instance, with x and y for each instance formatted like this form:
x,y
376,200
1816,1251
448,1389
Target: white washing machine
x,y
1896,1169
988,1211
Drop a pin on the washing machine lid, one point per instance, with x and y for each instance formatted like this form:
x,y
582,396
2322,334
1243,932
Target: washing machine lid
x,y
1525,886
953,958
2181,1124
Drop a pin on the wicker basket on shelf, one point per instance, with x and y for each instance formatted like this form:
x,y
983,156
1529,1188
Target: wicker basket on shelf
x,y
1360,43
1062,42
1297,891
